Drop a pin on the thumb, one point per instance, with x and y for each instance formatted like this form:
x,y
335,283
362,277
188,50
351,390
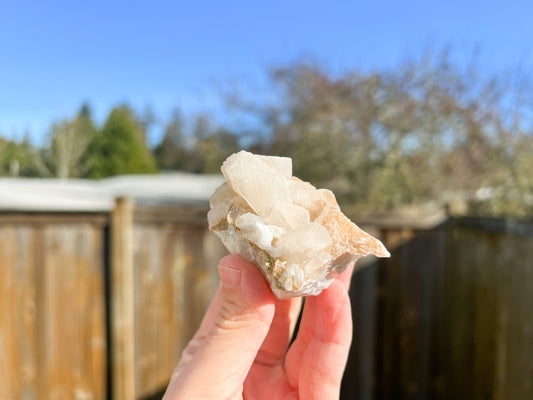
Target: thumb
x,y
222,362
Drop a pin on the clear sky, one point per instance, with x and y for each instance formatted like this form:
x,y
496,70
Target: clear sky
x,y
56,54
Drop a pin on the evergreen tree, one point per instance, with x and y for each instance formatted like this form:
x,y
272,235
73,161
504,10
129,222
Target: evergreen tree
x,y
171,153
211,146
119,147
211,151
86,129
17,158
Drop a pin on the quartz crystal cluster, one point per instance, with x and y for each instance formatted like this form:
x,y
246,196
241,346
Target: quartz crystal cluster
x,y
296,234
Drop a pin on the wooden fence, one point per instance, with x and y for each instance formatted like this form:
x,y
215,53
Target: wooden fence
x,y
81,295
448,316
52,307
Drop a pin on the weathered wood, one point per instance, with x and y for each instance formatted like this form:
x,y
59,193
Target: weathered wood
x,y
96,343
25,333
8,356
49,312
46,218
175,278
198,289
150,326
448,316
516,327
359,377
436,265
452,312
188,215
177,282
122,301
459,299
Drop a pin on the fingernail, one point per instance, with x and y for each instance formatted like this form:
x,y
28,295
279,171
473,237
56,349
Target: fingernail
x,y
230,277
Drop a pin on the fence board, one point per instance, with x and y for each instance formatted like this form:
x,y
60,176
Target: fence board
x,y
8,355
175,278
517,318
150,325
25,302
358,379
51,312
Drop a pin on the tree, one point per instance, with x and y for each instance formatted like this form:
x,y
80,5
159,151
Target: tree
x,y
211,146
17,158
171,152
119,148
212,150
66,154
86,129
425,131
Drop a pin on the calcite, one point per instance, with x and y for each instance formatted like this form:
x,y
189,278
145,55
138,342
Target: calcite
x,y
295,234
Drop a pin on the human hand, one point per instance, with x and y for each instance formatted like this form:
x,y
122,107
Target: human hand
x,y
241,349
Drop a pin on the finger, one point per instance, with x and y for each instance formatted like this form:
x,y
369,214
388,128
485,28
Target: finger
x,y
268,363
327,351
207,324
306,331
275,345
305,334
223,360
211,314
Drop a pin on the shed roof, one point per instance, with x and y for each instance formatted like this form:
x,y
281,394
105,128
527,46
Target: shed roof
x,y
80,195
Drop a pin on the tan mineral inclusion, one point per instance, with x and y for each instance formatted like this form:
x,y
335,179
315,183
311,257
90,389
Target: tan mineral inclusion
x,y
296,234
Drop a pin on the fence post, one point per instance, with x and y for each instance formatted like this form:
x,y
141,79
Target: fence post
x,y
122,301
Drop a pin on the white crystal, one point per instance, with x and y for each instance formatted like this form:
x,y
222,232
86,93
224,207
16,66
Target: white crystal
x,y
305,238
305,195
220,203
255,230
282,164
288,216
294,233
258,183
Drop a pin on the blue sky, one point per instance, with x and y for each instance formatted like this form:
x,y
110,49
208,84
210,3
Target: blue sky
x,y
56,54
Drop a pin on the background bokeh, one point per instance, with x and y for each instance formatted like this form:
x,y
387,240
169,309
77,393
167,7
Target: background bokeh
x,y
388,105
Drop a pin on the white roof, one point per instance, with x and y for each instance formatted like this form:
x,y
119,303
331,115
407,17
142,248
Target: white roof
x,y
79,195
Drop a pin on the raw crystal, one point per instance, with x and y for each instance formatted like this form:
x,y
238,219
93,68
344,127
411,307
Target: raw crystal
x,y
296,234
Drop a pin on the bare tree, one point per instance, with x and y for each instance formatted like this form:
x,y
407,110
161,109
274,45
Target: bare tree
x,y
428,130
68,144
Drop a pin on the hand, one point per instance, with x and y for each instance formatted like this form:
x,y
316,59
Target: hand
x,y
241,349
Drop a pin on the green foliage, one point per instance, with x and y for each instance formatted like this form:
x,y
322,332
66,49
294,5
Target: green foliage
x,y
211,151
202,151
171,152
211,146
427,131
87,132
119,148
17,158
66,155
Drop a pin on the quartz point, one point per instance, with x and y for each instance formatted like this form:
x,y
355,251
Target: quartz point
x,y
294,233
